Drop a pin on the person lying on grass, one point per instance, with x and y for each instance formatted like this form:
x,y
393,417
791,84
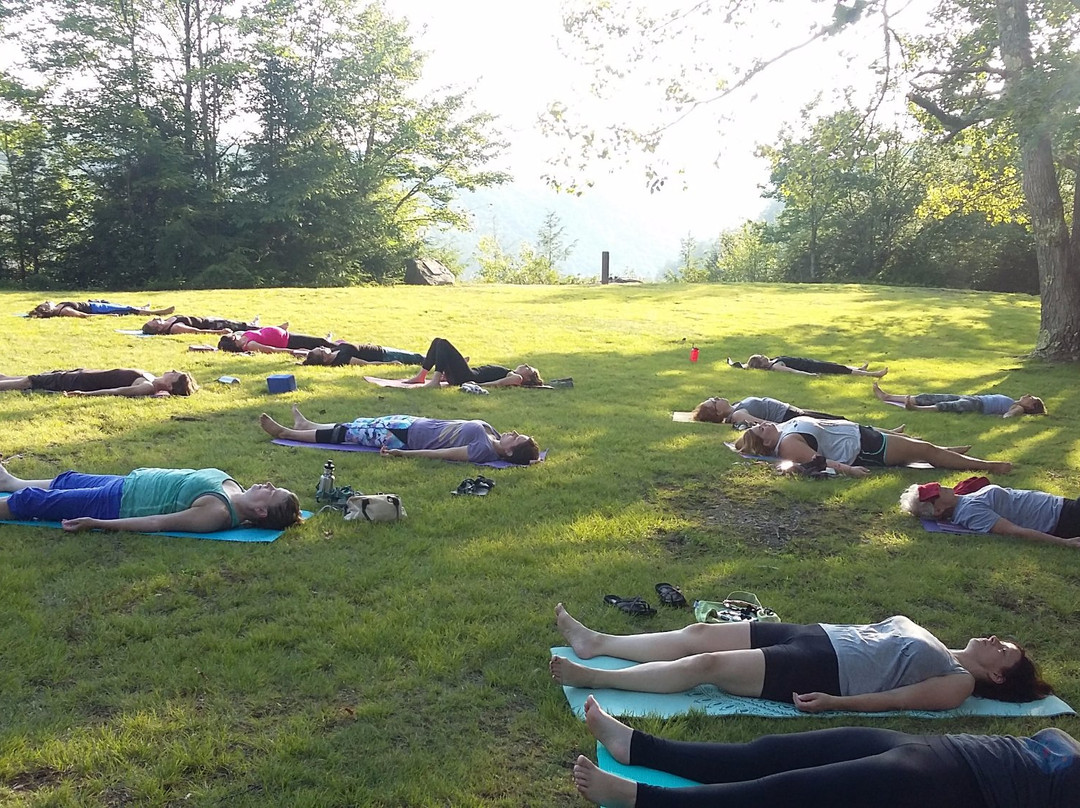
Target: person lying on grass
x,y
148,500
751,410
450,366
807,367
190,324
88,308
985,403
834,767
411,436
1033,515
129,382
892,665
351,353
272,339
849,447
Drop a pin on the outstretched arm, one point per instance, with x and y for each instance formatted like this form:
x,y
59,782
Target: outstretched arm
x,y
1013,411
252,345
459,453
509,380
795,449
205,516
131,391
786,369
67,311
938,693
1003,527
184,328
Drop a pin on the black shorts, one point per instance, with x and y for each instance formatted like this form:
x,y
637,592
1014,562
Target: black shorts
x,y
798,659
1068,523
872,444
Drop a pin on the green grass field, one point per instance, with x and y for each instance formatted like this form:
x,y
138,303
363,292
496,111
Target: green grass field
x,y
406,664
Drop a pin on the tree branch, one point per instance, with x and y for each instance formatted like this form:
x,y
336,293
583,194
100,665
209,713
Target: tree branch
x,y
953,123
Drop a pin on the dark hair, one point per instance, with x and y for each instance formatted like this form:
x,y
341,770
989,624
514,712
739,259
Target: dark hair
x,y
155,325
524,453
310,359
1022,683
752,443
536,381
710,414
228,342
44,309
281,515
1037,406
759,362
185,385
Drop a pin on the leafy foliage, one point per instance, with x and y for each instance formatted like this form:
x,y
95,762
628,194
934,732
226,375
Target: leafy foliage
x,y
333,170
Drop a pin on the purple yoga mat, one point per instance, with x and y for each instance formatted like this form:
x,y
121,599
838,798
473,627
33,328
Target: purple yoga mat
x,y
352,447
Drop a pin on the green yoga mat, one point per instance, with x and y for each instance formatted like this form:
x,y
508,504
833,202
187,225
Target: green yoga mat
x,y
248,534
714,701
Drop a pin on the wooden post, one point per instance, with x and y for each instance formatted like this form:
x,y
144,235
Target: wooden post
x,y
605,266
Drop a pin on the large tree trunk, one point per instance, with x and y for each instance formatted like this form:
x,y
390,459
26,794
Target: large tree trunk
x,y
1059,273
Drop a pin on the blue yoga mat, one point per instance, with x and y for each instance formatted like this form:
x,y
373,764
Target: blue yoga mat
x,y
352,447
714,701
639,774
249,534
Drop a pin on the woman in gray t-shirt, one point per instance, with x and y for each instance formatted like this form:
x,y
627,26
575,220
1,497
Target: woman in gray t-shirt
x,y
892,665
412,436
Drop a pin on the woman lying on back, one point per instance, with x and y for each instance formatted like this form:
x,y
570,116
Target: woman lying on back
x,y
128,382
70,308
189,324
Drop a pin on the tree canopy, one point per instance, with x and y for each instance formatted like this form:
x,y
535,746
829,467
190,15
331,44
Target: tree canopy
x,y
198,142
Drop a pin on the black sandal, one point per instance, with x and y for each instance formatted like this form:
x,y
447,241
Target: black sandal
x,y
635,606
670,595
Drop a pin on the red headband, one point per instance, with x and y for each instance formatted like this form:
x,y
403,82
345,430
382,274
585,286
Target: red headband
x,y
929,491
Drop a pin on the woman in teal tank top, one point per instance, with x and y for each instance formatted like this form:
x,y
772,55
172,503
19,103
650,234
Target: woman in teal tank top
x,y
148,500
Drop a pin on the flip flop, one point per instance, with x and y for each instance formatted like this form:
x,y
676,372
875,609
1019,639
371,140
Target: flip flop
x,y
670,595
635,606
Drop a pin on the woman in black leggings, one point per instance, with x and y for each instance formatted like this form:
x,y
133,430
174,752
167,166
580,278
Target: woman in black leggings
x,y
849,766
450,366
807,367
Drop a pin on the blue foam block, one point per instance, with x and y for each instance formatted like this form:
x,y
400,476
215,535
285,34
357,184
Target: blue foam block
x,y
281,383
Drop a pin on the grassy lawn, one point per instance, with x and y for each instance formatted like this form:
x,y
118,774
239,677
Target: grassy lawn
x,y
406,664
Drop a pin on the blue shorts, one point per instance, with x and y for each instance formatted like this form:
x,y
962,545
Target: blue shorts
x,y
101,307
70,496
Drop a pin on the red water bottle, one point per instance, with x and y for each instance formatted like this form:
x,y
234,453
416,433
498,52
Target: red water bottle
x,y
693,354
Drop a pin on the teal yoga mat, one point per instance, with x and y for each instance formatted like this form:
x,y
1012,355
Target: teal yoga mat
x,y
639,774
248,534
714,701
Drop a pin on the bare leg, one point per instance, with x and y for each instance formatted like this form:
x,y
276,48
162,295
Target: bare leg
x,y
158,312
14,382
864,372
300,421
741,673
612,733
418,378
889,397
902,450
603,788
10,483
272,427
697,638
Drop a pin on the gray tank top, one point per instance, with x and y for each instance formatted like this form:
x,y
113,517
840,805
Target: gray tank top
x,y
887,655
837,440
767,409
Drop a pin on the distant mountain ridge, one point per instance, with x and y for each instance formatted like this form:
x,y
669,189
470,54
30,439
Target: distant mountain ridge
x,y
640,245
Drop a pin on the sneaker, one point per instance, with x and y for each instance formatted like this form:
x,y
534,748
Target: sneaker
x,y
569,382
474,388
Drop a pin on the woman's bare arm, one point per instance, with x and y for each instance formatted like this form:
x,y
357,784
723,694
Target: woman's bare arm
x,y
206,515
131,391
459,453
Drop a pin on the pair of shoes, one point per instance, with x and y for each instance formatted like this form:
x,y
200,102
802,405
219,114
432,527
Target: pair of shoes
x,y
474,486
636,606
567,382
474,388
670,595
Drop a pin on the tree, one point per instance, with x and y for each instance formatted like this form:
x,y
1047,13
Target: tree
x,y
981,70
550,242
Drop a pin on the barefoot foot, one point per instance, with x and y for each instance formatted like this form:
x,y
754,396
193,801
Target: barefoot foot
x,y
601,787
570,673
1000,468
612,733
581,638
270,426
300,421
881,394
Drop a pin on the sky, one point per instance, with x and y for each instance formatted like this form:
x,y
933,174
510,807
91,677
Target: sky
x,y
509,54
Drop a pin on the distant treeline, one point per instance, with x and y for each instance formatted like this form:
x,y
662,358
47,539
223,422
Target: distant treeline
x,y
869,206
205,143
